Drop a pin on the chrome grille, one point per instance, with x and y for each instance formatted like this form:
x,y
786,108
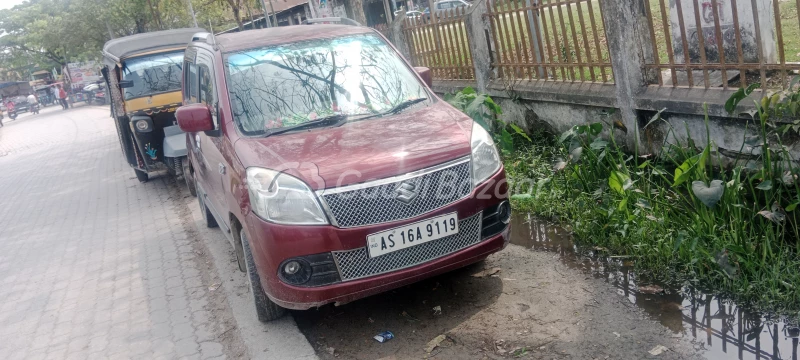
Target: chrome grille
x,y
356,263
399,198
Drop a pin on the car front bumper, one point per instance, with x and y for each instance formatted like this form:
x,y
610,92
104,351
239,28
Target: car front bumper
x,y
272,244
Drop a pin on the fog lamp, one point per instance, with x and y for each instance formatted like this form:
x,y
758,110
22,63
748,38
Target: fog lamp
x,y
504,212
291,268
296,271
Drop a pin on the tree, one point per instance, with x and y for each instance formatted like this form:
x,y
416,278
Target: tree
x,y
236,7
63,31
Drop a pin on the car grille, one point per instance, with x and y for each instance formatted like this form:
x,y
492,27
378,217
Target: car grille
x,y
356,263
405,198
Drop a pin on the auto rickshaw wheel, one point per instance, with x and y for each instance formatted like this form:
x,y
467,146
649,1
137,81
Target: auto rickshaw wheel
x,y
141,175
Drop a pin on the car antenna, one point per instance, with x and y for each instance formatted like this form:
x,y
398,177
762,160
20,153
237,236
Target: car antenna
x,y
213,39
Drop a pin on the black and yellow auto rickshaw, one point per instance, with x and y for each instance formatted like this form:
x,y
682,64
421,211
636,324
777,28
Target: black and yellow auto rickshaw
x,y
143,74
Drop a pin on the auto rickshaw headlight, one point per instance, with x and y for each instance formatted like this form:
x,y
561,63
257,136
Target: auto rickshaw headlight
x,y
142,123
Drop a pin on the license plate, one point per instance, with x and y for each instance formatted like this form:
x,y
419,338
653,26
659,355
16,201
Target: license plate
x,y
384,242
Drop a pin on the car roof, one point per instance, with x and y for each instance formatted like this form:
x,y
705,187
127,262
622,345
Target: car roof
x,y
250,39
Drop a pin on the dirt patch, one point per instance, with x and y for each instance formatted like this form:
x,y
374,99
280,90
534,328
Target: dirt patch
x,y
534,307
218,309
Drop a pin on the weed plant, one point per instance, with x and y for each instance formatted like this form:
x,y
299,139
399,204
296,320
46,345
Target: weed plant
x,y
688,216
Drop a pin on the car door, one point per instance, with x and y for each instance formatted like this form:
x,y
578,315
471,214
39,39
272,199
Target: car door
x,y
211,142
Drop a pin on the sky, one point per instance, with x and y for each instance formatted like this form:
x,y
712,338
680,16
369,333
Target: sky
x,y
6,4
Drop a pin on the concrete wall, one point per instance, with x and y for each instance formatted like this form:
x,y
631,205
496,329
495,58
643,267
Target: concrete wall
x,y
747,30
630,102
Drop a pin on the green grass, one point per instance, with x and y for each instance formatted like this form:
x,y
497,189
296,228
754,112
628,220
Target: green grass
x,y
629,205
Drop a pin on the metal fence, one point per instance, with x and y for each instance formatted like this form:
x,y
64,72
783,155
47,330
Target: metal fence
x,y
723,43
440,42
550,40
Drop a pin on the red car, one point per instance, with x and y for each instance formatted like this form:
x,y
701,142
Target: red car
x,y
332,167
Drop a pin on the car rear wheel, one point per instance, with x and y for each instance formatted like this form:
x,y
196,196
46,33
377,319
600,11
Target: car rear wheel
x,y
266,309
208,217
141,175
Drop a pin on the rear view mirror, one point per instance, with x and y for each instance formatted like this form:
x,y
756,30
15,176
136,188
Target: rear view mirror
x,y
126,84
425,74
194,118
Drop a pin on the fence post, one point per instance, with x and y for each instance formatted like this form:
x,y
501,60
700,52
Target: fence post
x,y
398,37
626,22
477,28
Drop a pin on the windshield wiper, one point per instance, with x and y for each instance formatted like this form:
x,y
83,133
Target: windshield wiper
x,y
396,109
404,105
337,119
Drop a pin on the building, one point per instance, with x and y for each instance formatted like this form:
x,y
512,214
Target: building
x,y
287,12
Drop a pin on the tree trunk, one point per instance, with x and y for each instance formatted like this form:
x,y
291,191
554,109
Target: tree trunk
x,y
236,7
357,11
140,26
249,13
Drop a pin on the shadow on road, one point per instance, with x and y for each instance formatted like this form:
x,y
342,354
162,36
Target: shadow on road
x,y
407,312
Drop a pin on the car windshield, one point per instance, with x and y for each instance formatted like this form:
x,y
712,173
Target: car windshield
x,y
153,74
289,85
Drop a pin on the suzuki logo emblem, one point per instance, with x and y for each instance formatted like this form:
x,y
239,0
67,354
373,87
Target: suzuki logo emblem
x,y
406,192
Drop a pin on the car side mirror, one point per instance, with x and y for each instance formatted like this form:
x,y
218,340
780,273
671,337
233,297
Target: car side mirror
x,y
425,74
125,84
194,118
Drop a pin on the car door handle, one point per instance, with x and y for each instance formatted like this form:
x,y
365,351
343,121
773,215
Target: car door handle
x,y
221,169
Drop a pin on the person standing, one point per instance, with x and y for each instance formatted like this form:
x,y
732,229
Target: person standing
x,y
33,104
62,97
54,94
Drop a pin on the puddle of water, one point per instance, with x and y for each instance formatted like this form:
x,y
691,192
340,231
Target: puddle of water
x,y
724,329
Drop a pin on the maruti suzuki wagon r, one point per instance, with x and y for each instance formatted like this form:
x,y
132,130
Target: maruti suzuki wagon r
x,y
332,167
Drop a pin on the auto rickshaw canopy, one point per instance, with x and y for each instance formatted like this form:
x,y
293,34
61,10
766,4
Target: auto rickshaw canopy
x,y
124,47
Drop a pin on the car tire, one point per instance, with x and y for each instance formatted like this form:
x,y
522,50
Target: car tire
x,y
189,177
208,217
141,175
266,309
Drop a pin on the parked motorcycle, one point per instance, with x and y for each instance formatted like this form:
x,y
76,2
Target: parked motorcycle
x,y
96,93
100,97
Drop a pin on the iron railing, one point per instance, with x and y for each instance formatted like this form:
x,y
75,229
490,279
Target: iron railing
x,y
440,42
723,43
550,40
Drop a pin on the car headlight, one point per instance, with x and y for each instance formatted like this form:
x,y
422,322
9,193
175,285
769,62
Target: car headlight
x,y
485,159
282,198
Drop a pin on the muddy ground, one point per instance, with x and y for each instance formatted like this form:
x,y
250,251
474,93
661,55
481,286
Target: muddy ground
x,y
536,307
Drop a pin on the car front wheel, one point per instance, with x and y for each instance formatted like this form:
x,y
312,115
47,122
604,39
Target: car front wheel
x,y
266,309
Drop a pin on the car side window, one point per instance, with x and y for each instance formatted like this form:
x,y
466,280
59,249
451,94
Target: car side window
x,y
190,83
206,86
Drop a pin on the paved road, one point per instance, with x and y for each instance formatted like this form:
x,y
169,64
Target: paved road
x,y
94,264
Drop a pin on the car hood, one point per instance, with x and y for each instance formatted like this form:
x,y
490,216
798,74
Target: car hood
x,y
365,150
